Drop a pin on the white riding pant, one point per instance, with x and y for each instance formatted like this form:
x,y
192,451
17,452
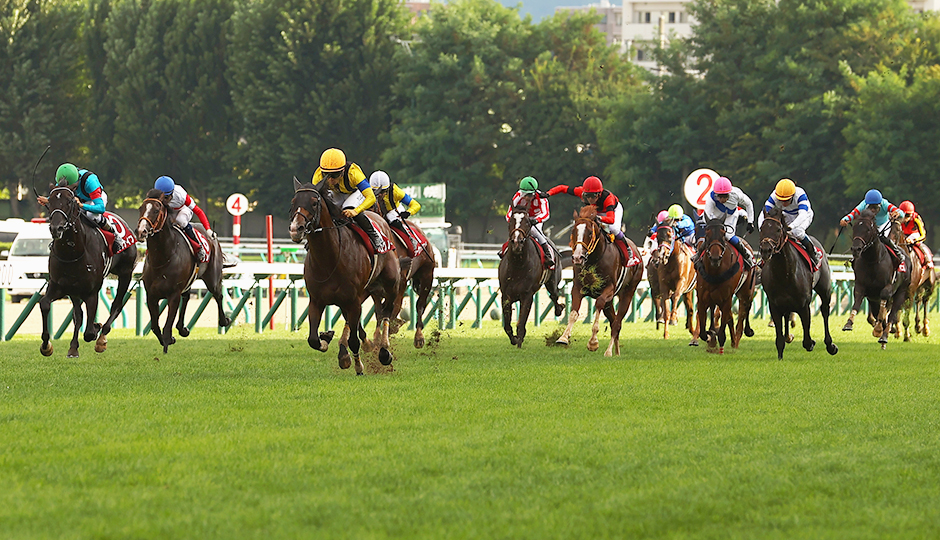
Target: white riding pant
x,y
182,216
94,217
353,200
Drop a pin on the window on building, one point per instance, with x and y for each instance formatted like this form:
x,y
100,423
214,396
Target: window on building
x,y
619,19
603,20
683,17
640,55
672,17
643,17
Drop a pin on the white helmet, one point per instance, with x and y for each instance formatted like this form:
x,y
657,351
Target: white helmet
x,y
379,180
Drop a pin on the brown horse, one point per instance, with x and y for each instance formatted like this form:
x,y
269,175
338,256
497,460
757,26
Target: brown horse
x,y
601,273
676,276
421,275
789,283
653,280
876,277
522,274
171,268
721,277
78,264
923,284
340,270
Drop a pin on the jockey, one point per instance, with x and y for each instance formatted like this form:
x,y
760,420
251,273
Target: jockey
x,y
388,197
91,195
650,240
797,213
536,202
683,225
913,228
609,209
883,209
182,207
348,179
729,203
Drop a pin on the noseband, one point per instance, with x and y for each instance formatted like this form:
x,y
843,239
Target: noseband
x,y
775,243
874,235
526,231
72,216
156,224
589,246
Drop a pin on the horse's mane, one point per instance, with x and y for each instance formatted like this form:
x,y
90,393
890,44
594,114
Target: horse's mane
x,y
588,211
156,194
519,209
867,214
775,212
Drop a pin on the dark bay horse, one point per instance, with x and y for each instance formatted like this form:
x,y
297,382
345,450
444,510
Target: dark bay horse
x,y
923,285
421,275
339,271
522,274
78,264
676,276
170,268
876,277
721,277
789,283
601,273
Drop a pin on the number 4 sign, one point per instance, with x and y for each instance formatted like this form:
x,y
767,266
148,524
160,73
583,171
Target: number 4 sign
x,y
698,185
236,204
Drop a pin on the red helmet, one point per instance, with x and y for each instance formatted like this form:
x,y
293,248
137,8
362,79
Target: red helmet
x,y
907,207
592,184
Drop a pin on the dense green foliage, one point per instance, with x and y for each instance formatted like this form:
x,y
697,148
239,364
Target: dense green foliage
x,y
247,436
239,95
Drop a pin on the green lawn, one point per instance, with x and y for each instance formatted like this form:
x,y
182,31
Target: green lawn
x,y
241,436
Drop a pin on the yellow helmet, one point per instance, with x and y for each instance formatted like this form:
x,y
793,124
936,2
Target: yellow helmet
x,y
785,189
332,160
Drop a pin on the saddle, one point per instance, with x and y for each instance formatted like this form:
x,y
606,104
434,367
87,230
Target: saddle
x,y
806,257
628,257
923,255
546,262
121,228
387,244
194,247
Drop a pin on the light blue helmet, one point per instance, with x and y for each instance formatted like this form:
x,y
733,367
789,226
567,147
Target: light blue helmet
x,y
165,184
873,197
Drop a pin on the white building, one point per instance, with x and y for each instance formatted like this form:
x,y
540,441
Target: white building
x,y
650,23
611,23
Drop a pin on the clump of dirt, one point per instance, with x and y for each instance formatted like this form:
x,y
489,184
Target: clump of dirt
x,y
591,281
551,338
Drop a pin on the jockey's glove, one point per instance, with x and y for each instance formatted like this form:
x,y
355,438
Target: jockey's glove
x,y
404,215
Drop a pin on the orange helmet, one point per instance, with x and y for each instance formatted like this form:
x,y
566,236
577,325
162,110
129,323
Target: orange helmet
x,y
592,184
332,160
907,207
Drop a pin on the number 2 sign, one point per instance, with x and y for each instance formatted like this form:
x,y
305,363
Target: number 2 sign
x,y
698,185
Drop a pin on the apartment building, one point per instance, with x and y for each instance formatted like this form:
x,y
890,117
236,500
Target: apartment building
x,y
611,24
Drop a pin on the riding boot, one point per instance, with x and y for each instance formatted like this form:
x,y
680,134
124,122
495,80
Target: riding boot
x,y
895,250
410,244
199,252
105,225
366,226
549,255
810,249
746,253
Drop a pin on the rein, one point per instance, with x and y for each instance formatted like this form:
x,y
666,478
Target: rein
x,y
309,230
157,224
595,238
780,241
869,243
70,222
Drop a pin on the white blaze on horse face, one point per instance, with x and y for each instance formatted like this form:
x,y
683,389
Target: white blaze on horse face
x,y
295,227
517,231
579,249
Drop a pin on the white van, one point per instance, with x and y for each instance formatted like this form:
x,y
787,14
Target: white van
x,y
29,259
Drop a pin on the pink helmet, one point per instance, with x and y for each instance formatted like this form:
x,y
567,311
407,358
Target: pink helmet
x,y
722,186
662,216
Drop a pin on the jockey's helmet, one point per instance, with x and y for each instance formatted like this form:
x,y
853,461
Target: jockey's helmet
x,y
785,189
592,184
332,160
675,212
722,186
528,185
379,180
662,216
873,197
67,172
165,184
907,207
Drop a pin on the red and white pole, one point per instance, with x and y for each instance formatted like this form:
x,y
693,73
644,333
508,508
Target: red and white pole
x,y
236,233
269,226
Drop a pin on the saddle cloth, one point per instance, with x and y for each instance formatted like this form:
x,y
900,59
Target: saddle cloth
x,y
121,228
203,241
542,254
387,244
805,255
414,240
629,257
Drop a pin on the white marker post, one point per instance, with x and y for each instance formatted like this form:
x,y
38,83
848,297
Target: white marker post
x,y
236,204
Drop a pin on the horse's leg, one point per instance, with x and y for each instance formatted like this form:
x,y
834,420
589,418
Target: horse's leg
x,y
507,319
215,287
805,314
45,304
855,306
573,317
525,307
344,360
319,341
554,294
669,306
615,326
824,292
925,327
353,314
779,319
181,321
906,320
172,308
727,322
76,324
422,286
91,308
124,282
881,329
153,305
689,321
701,313
594,342
744,312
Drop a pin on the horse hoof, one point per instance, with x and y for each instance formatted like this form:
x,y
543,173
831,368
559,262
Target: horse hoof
x,y
809,346
832,349
592,347
172,341
693,343
184,332
385,356
46,350
72,354
326,336
847,328
419,342
89,336
749,332
101,345
359,374
344,361
884,346
562,342
790,338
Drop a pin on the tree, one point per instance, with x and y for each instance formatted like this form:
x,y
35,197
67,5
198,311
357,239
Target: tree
x,y
41,92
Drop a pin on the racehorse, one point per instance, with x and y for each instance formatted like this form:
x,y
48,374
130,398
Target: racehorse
x,y
600,272
721,277
651,278
340,270
522,274
171,268
789,282
78,264
876,277
421,275
923,284
676,277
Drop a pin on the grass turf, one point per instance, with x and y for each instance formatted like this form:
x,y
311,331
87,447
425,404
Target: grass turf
x,y
247,436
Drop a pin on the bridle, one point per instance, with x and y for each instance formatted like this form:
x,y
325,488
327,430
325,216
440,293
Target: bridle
x,y
774,244
591,244
523,230
156,224
720,242
312,218
665,250
870,226
72,216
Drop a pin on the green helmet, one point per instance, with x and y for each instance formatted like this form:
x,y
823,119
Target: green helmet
x,y
67,172
675,212
528,185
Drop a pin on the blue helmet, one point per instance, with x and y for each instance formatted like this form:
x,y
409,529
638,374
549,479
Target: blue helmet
x,y
873,197
165,184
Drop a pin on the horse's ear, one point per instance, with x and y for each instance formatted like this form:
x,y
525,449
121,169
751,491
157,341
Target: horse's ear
x,y
297,184
576,216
